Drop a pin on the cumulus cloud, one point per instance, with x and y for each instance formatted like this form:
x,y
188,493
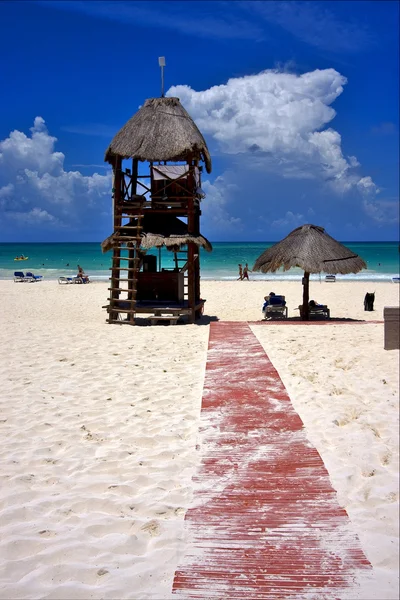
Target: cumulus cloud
x,y
275,120
382,211
35,188
290,220
33,217
215,208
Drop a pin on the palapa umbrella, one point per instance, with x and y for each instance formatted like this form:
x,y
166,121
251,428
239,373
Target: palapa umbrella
x,y
160,130
313,250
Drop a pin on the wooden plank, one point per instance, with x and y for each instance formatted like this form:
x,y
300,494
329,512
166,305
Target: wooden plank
x,y
119,289
265,522
122,268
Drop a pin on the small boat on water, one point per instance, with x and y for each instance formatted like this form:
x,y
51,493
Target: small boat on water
x,y
22,257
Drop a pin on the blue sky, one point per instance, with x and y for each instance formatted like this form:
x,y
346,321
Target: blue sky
x,y
298,102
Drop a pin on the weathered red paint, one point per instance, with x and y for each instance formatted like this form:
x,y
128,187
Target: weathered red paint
x,y
319,322
265,522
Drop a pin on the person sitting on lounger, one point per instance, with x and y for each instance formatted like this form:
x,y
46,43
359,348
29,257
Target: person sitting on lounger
x,y
81,275
267,301
314,304
272,300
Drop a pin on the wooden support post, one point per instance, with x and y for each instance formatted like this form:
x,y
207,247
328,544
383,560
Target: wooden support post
x,y
196,218
191,247
305,308
134,176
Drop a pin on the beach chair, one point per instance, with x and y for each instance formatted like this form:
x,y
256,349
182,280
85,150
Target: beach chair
x,y
276,308
65,280
330,278
82,279
34,277
319,310
19,277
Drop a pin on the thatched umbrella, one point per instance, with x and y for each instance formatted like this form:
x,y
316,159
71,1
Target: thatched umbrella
x,y
157,231
313,250
160,130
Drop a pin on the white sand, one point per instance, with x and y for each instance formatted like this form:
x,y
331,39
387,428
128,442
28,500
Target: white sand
x,y
99,428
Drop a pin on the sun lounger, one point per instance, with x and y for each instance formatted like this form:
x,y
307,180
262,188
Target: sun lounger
x,y
83,279
19,277
331,278
80,280
276,308
34,277
320,310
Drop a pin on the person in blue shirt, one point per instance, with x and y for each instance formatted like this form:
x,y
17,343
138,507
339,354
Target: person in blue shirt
x,y
272,299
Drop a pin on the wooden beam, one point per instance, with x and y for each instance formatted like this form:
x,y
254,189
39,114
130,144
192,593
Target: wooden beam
x,y
305,309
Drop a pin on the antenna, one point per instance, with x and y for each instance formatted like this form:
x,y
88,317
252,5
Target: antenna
x,y
161,63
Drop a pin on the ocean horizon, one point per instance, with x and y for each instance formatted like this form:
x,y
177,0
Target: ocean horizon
x,y
53,259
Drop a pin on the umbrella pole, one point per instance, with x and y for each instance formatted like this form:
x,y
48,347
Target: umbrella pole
x,y
305,310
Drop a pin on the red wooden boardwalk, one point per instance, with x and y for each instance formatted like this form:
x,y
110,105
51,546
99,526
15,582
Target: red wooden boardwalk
x,y
265,522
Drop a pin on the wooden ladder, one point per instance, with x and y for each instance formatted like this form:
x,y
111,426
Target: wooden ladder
x,y
129,265
181,262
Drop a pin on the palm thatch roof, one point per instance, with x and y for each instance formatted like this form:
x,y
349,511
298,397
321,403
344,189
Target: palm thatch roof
x,y
158,231
160,130
313,250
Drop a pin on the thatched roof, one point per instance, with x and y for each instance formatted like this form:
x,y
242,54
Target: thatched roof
x,y
158,231
313,250
160,130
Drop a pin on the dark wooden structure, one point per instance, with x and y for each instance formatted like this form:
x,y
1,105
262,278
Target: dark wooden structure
x,y
161,186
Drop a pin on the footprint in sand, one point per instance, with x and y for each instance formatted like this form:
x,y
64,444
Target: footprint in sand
x,y
47,533
152,527
386,458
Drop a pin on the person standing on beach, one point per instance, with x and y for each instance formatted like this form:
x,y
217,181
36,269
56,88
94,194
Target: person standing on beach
x,y
240,273
246,272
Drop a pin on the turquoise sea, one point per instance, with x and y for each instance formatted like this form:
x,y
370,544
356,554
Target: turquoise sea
x,y
54,259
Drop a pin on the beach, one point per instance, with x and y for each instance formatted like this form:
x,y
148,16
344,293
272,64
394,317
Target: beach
x,y
100,430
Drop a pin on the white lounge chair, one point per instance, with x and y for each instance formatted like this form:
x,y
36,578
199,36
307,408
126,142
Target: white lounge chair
x,y
20,277
276,307
319,310
331,278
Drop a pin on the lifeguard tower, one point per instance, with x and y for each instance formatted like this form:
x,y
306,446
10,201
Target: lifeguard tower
x,y
156,203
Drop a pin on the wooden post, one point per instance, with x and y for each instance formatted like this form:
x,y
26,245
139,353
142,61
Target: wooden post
x,y
117,204
305,309
196,218
191,247
134,176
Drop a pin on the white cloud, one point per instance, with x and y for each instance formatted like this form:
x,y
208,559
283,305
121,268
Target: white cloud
x,y
6,190
176,16
382,211
365,184
314,24
215,216
290,220
386,128
35,216
35,188
274,120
